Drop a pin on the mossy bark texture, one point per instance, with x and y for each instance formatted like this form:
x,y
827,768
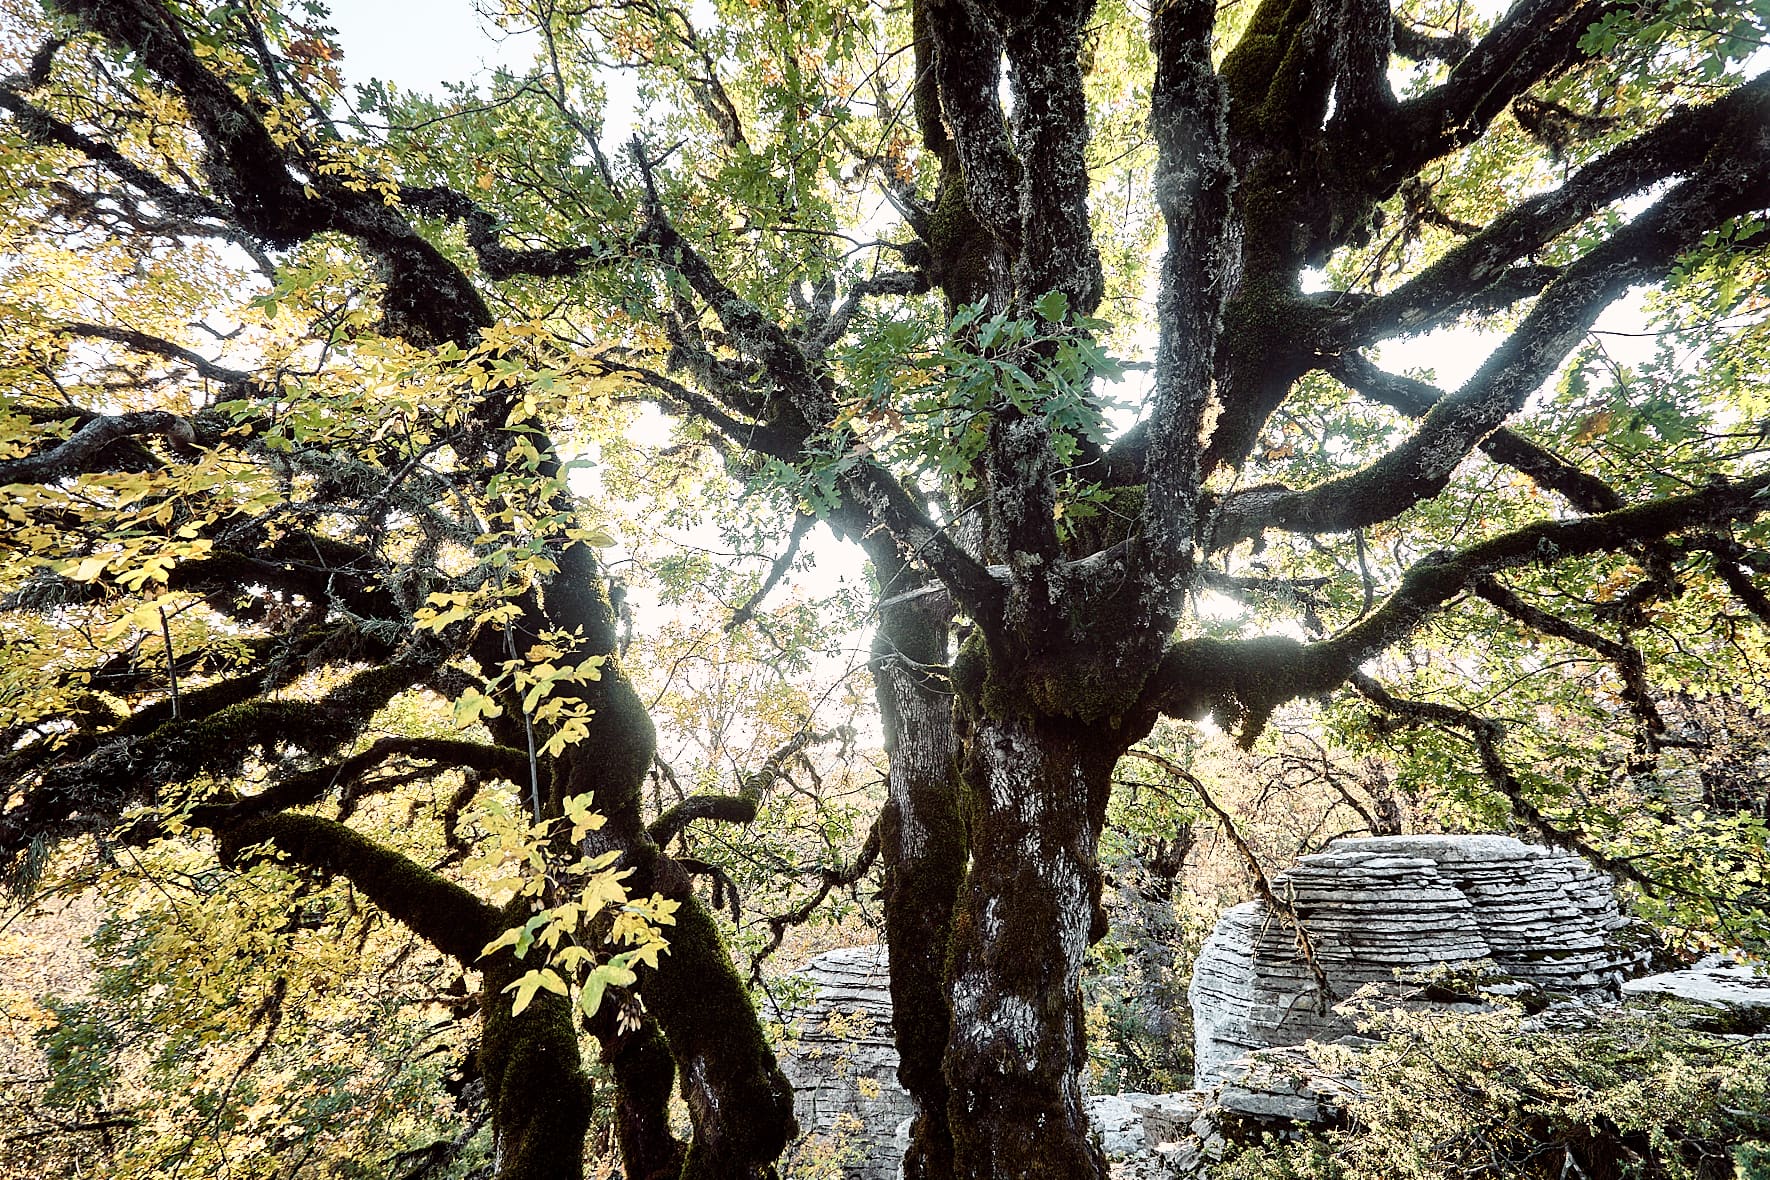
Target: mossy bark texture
x,y
535,1082
922,846
740,1104
1027,911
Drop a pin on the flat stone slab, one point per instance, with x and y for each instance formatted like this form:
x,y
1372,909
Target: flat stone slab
x,y
1717,980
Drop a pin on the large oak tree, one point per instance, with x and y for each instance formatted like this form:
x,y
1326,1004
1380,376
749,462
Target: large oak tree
x,y
368,496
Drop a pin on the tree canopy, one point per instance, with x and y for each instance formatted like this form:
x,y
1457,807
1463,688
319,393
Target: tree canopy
x,y
320,416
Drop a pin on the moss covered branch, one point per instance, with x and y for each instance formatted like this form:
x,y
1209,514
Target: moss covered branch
x,y
1242,681
741,808
311,786
441,912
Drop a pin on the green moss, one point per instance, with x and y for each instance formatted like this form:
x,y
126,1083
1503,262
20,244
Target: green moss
x,y
452,919
539,1094
1112,518
1257,70
960,247
739,1101
1010,1116
644,1075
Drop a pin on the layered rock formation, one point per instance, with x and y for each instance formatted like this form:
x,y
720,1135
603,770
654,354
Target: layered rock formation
x,y
843,1066
1409,905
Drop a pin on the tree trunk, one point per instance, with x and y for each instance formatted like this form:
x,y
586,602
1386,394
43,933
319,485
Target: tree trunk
x,y
1027,911
739,1102
644,1074
922,847
535,1082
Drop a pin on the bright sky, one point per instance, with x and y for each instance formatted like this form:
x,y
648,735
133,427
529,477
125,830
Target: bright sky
x,y
420,44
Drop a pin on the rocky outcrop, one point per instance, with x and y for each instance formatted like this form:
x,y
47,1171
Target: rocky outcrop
x,y
1718,982
842,1063
1385,906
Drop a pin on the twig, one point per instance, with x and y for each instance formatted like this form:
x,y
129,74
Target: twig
x,y
1262,885
171,663
802,523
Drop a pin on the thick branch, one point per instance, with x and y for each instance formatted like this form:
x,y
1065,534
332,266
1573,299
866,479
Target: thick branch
x,y
427,298
97,787
1193,186
87,444
1244,680
1051,136
46,129
1678,144
441,912
1422,465
144,342
1727,557
1449,48
496,259
1415,398
1533,40
967,57
311,786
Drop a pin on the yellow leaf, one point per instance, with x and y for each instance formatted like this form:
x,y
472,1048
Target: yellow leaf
x,y
89,569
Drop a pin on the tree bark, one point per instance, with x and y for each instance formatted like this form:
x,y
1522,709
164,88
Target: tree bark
x,y
1028,909
922,848
535,1082
739,1102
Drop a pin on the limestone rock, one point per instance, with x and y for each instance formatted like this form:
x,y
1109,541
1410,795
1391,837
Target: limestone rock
x,y
1117,1121
1167,1118
842,1063
1283,1086
1718,981
1380,906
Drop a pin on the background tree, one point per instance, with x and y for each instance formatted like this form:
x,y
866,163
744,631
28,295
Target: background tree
x,y
466,280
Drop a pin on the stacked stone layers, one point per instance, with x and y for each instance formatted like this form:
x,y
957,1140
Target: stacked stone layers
x,y
1409,904
842,1063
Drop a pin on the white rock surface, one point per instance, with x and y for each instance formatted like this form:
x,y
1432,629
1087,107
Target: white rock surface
x,y
1717,980
1117,1120
1382,905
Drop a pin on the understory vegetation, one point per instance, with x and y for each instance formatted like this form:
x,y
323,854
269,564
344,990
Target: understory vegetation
x,y
1642,1093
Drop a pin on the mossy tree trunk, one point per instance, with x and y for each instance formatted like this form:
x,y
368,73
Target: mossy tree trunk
x,y
740,1104
536,1088
1027,912
922,846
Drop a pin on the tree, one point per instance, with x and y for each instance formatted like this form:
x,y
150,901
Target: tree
x,y
449,288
